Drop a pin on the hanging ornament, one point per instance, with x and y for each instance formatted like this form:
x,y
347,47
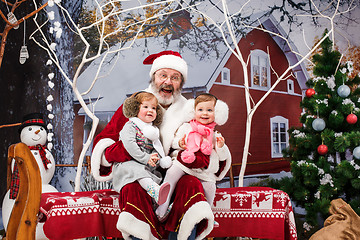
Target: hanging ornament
x,y
343,91
310,92
356,152
351,118
322,149
318,124
12,19
24,54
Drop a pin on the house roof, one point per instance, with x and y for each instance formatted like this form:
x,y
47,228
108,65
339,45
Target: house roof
x,y
126,74
289,50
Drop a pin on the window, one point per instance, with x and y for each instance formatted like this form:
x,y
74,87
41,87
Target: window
x,y
260,69
290,86
225,76
279,135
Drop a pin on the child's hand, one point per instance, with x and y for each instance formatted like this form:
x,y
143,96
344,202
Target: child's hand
x,y
182,142
153,159
220,141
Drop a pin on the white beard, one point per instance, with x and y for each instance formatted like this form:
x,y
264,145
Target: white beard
x,y
163,101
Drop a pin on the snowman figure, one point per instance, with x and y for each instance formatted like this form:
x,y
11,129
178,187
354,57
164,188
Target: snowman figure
x,y
33,133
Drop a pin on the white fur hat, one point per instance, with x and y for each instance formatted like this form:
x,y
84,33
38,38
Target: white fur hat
x,y
167,59
221,111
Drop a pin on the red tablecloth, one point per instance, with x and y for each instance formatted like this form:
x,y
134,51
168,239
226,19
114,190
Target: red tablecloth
x,y
257,212
72,215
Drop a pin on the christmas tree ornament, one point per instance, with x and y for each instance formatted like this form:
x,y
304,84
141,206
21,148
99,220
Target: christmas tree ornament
x,y
322,149
12,19
318,124
343,91
24,54
310,92
351,118
356,152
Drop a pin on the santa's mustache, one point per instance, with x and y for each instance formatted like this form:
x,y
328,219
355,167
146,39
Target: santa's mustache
x,y
167,87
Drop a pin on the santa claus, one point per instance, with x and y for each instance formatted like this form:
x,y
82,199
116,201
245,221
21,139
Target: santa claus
x,y
191,215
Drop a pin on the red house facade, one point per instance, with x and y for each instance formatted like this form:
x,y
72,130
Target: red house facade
x,y
268,57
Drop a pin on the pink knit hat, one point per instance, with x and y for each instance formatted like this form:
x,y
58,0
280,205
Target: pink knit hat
x,y
167,59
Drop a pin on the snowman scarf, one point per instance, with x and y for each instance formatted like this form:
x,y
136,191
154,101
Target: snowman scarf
x,y
15,177
42,152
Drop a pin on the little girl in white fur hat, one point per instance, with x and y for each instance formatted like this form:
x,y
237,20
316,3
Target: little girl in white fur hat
x,y
198,149
140,137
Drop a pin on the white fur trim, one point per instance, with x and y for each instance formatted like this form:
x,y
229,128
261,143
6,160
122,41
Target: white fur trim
x,y
189,110
129,226
98,158
171,122
151,132
221,112
196,213
170,61
165,162
224,155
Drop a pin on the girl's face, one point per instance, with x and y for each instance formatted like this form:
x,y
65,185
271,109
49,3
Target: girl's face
x,y
147,112
205,112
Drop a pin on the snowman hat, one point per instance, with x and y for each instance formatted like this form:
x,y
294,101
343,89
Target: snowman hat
x,y
32,119
167,59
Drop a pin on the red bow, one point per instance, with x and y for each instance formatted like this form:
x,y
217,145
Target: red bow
x,y
150,59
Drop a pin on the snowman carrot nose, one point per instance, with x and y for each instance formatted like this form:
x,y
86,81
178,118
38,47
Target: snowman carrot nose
x,y
37,131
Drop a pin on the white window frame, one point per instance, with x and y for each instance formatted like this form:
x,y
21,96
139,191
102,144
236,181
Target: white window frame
x,y
276,142
225,76
255,60
290,86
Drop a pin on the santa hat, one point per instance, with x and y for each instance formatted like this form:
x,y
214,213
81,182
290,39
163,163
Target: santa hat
x,y
167,59
32,119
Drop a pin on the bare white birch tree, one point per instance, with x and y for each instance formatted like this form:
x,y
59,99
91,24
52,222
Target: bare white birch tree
x,y
41,39
225,27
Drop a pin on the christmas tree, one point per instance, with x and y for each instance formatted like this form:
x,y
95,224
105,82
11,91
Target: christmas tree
x,y
325,151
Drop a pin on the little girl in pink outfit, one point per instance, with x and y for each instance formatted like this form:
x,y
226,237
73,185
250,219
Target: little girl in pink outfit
x,y
198,149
